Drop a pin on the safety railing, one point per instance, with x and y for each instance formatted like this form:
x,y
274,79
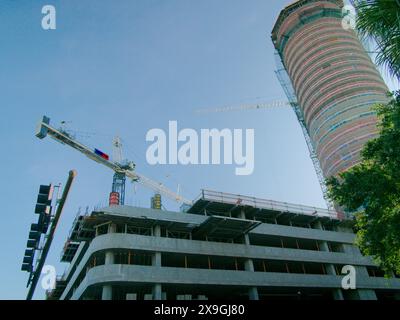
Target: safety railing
x,y
241,200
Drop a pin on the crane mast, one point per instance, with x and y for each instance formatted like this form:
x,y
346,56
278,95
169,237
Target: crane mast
x,y
121,169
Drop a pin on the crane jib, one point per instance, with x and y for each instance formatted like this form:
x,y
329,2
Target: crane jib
x,y
44,128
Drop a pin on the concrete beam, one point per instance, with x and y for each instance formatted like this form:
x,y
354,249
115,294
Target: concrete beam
x,y
144,274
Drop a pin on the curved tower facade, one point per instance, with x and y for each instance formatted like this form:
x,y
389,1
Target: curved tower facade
x,y
334,80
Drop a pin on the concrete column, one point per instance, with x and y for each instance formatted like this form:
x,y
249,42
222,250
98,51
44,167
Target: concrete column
x,y
156,231
157,295
248,263
109,256
109,259
112,228
253,293
106,293
337,294
156,258
156,262
330,268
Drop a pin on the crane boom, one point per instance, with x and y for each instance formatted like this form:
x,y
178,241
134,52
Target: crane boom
x,y
156,186
255,106
44,128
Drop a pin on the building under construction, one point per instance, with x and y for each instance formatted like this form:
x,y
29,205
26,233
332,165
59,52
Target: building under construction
x,y
226,246
330,80
223,246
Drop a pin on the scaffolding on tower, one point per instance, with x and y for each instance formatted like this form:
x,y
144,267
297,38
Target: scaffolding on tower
x,y
286,84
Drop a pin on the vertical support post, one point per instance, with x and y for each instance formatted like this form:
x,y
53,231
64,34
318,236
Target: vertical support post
x,y
157,291
106,293
248,264
156,262
330,269
109,259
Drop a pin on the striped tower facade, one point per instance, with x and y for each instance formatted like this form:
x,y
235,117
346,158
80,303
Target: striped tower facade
x,y
334,80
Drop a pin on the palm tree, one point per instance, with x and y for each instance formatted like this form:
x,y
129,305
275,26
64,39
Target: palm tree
x,y
380,20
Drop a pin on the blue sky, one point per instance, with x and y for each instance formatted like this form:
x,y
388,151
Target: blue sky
x,y
124,68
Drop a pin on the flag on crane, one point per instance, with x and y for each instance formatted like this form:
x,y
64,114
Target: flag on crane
x,y
101,154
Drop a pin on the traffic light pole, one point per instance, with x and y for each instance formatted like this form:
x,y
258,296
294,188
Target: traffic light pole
x,y
46,247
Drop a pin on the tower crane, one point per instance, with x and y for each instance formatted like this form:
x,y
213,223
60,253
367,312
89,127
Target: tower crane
x,y
121,168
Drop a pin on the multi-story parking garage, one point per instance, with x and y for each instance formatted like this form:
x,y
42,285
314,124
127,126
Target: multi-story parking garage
x,y
224,246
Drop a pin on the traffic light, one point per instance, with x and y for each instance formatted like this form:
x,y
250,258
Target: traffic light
x,y
43,222
34,227
31,244
35,235
29,252
43,203
28,259
26,267
43,207
27,263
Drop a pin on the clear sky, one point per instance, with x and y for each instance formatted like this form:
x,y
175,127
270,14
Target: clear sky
x,y
125,67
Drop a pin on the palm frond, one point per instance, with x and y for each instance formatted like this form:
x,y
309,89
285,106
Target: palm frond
x,y
380,20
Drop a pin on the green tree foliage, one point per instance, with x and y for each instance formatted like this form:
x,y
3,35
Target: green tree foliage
x,y
380,20
371,190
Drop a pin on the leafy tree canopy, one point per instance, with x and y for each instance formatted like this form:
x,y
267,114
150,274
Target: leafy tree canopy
x,y
371,189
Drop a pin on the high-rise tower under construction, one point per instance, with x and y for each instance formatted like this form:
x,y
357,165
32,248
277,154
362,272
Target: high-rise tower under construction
x,y
334,80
